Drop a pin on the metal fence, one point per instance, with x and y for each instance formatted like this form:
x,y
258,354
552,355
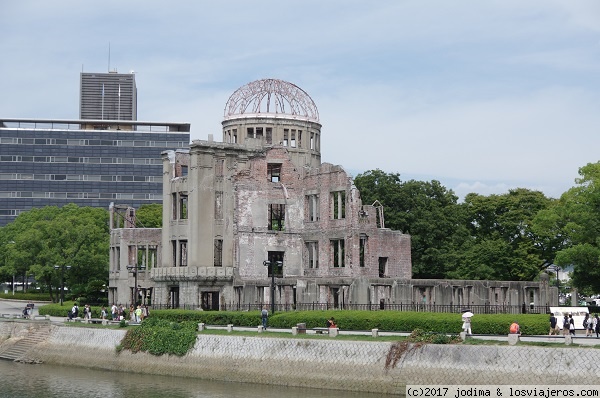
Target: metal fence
x,y
475,309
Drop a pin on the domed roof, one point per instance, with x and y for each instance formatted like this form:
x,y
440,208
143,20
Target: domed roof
x,y
271,96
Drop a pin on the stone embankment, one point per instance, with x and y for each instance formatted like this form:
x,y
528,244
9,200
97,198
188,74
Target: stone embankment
x,y
321,363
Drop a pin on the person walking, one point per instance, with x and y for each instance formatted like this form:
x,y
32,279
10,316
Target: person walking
x,y
571,325
264,315
597,327
553,325
566,324
138,314
587,325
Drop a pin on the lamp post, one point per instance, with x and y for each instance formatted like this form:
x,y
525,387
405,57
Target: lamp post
x,y
62,280
134,269
271,265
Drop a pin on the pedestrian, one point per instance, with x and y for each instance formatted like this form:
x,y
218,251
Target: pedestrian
x,y
114,312
571,325
466,318
264,315
103,313
593,322
553,325
138,314
74,311
132,313
597,324
514,328
566,325
87,312
587,325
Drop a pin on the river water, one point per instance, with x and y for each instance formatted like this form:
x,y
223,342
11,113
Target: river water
x,y
44,381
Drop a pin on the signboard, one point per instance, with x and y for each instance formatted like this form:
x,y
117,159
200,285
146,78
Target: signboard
x,y
578,314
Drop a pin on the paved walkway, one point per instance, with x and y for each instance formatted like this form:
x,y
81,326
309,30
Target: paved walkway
x,y
16,307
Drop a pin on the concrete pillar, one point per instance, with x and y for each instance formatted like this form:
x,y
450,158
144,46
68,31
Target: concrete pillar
x,y
230,328
375,333
513,339
568,339
294,330
463,336
260,329
333,332
201,327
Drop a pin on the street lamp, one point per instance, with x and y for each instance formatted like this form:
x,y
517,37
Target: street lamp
x,y
272,265
62,280
134,269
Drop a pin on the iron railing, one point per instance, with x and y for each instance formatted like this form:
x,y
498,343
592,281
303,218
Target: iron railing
x,y
418,307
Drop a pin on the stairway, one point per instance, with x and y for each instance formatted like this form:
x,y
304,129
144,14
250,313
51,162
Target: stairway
x,y
18,350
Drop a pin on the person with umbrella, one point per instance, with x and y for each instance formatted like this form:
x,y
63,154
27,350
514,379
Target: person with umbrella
x,y
466,318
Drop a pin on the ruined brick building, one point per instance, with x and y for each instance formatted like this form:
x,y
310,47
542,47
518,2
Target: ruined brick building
x,y
260,207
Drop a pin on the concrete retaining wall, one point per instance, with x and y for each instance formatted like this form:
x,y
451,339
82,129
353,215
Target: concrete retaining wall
x,y
327,363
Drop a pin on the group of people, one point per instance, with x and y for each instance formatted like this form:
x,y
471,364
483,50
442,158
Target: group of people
x,y
590,324
136,314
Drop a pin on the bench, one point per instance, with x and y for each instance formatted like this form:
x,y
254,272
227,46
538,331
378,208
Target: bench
x,y
320,330
41,317
302,330
95,320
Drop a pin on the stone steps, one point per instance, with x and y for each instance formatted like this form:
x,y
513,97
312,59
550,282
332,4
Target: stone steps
x,y
19,349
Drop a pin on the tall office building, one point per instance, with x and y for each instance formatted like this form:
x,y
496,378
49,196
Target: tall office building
x,y
108,96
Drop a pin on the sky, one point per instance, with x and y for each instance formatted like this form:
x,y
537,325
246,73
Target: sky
x,y
483,96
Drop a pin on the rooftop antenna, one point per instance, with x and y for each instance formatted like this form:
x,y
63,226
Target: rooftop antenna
x,y
108,56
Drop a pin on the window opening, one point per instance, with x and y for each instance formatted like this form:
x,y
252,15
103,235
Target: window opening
x,y
362,250
338,205
313,254
183,253
382,267
337,253
218,257
274,172
276,217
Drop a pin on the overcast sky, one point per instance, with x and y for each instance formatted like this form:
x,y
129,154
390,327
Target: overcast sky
x,y
483,96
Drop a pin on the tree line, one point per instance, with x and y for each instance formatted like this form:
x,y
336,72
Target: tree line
x,y
512,236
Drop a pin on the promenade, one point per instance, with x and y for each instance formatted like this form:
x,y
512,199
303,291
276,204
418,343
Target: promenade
x,y
15,307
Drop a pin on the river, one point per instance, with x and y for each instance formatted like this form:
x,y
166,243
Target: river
x,y
45,381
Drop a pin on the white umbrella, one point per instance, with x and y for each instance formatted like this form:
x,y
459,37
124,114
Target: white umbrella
x,y
467,314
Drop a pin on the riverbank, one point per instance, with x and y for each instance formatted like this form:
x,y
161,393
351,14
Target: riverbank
x,y
321,363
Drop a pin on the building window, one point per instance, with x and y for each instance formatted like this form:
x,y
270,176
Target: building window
x,y
273,172
250,132
219,167
383,267
286,134
174,251
269,136
276,217
184,171
183,253
174,202
259,132
312,207
293,139
338,205
218,205
218,260
313,254
275,269
337,253
152,256
183,206
362,250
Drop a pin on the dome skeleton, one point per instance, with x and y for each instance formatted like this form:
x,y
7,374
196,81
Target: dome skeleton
x,y
271,96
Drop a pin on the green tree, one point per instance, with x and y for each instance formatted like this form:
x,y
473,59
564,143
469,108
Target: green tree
x,y
40,239
149,216
425,210
578,222
504,244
